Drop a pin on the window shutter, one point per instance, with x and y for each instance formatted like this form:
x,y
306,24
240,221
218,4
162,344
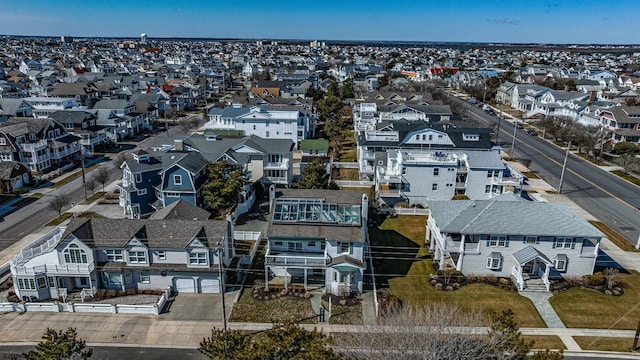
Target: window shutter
x,y
573,244
488,262
553,246
506,243
488,243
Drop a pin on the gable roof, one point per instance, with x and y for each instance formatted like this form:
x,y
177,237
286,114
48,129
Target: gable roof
x,y
181,210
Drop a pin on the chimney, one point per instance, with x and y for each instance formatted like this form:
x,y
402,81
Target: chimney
x,y
365,210
272,196
592,98
177,144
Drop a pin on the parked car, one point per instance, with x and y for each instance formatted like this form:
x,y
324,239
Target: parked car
x,y
532,133
519,125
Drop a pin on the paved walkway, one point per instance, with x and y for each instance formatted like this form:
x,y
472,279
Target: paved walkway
x,y
541,301
368,309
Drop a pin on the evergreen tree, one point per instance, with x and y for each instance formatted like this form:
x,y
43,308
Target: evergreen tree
x,y
314,176
59,345
223,185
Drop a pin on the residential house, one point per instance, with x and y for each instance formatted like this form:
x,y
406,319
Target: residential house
x,y
124,254
295,124
125,110
83,124
317,238
622,123
529,242
37,143
84,93
13,108
13,175
418,176
43,107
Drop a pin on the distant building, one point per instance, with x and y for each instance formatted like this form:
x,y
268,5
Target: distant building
x,y
66,39
143,38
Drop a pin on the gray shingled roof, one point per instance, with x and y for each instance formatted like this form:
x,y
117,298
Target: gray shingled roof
x,y
529,253
180,210
157,234
509,218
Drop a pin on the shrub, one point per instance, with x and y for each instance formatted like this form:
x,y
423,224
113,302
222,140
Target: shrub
x,y
438,286
597,279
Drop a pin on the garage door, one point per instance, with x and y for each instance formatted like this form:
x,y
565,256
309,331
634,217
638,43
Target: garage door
x,y
209,286
184,285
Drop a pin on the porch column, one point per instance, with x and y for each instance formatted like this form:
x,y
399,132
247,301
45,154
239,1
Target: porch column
x,y
462,244
90,282
547,268
286,273
441,258
305,279
266,279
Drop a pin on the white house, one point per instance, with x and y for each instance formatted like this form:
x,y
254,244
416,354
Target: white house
x,y
529,242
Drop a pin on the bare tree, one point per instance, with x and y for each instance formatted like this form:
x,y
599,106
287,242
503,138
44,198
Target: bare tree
x,y
610,276
102,176
91,184
420,333
58,203
191,123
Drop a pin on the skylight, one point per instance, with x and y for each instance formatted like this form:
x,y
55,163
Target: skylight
x,y
315,211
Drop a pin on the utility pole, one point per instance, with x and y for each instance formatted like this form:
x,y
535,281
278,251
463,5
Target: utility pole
x,y
564,167
221,279
513,139
84,181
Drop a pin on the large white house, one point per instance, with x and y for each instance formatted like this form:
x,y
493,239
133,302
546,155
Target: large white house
x,y
418,176
124,254
507,237
295,125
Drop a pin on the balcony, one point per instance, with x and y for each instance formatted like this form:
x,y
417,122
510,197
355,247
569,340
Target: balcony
x,y
390,193
54,269
506,181
461,185
278,179
317,260
369,155
282,165
42,144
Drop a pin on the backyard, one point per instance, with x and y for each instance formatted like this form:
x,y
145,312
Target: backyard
x,y
397,249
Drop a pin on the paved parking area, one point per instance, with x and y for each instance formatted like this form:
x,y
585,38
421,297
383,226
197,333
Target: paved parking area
x,y
199,307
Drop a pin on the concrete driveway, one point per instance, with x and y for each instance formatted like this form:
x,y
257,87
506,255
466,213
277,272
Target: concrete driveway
x,y
200,307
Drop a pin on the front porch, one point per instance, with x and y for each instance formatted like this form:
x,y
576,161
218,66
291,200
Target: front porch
x,y
531,271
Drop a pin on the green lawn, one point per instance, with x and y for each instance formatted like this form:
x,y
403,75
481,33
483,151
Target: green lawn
x,y
614,237
348,155
585,308
396,247
414,288
248,309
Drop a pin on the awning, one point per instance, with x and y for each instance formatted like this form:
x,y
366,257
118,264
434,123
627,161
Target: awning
x,y
530,253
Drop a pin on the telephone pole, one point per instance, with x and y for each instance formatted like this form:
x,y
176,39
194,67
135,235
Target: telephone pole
x,y
564,167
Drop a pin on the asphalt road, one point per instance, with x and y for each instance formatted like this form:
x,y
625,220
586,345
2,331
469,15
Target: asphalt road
x,y
32,217
118,353
612,200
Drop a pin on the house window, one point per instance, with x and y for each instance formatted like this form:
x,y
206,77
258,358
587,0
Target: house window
x,y
277,243
436,171
295,246
137,257
563,243
343,247
487,189
560,262
52,281
142,192
113,278
267,134
138,178
497,241
198,258
3,141
311,244
32,136
26,284
162,255
173,194
144,277
74,255
430,137
115,255
434,187
177,179
489,174
42,283
531,240
494,261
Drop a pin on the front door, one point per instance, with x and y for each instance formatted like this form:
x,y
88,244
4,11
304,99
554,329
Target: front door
x,y
526,268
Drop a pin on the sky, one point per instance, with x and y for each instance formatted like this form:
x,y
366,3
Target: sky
x,y
497,21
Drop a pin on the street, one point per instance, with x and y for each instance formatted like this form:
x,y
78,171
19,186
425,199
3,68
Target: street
x,y
607,197
125,351
32,217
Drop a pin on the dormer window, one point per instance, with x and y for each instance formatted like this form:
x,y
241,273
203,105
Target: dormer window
x,y
74,255
32,136
177,179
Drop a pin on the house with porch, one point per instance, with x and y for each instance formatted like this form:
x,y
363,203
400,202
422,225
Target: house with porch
x,y
529,242
83,124
315,239
124,254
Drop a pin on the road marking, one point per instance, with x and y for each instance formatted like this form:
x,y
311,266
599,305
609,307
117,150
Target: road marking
x,y
559,164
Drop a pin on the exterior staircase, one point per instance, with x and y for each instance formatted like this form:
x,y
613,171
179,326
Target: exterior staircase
x,y
534,285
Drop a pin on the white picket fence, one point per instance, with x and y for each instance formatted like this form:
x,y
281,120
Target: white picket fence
x,y
410,211
152,309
